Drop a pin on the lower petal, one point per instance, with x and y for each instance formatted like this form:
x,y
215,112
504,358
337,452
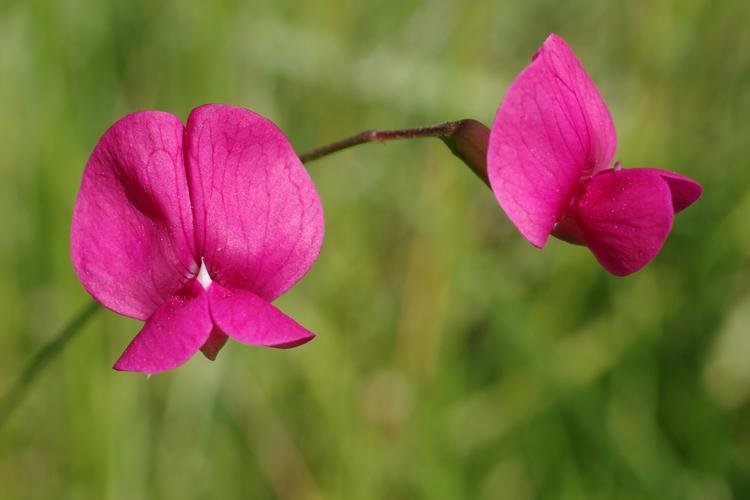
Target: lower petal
x,y
214,343
249,319
685,191
176,330
625,217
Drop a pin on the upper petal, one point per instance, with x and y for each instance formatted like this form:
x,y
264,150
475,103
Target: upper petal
x,y
172,335
132,231
258,218
551,130
685,191
625,217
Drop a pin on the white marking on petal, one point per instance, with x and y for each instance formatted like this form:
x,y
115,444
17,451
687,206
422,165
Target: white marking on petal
x,y
203,278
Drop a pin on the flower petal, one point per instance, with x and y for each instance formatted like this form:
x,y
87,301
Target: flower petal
x,y
172,335
249,319
258,218
132,231
625,217
685,191
551,130
214,343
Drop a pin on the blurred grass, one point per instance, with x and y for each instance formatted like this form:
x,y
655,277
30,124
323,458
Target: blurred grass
x,y
453,360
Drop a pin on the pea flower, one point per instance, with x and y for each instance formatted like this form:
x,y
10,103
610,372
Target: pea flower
x,y
195,229
550,149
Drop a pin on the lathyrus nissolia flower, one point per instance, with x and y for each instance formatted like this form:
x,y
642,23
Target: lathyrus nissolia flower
x,y
195,229
550,149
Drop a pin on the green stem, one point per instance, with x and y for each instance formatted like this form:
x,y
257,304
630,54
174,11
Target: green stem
x,y
18,391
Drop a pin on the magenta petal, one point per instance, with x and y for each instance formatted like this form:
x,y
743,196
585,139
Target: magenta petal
x,y
172,335
625,217
214,343
258,218
250,319
132,232
551,130
685,191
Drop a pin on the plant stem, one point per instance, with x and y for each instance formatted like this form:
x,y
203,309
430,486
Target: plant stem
x,y
19,389
467,139
441,130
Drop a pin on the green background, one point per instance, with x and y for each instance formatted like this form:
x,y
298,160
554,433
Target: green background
x,y
453,360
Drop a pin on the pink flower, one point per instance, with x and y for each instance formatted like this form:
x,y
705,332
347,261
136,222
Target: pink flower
x,y
196,230
548,163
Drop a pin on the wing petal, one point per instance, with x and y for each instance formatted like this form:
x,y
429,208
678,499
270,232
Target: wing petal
x,y
625,217
172,335
250,319
685,191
